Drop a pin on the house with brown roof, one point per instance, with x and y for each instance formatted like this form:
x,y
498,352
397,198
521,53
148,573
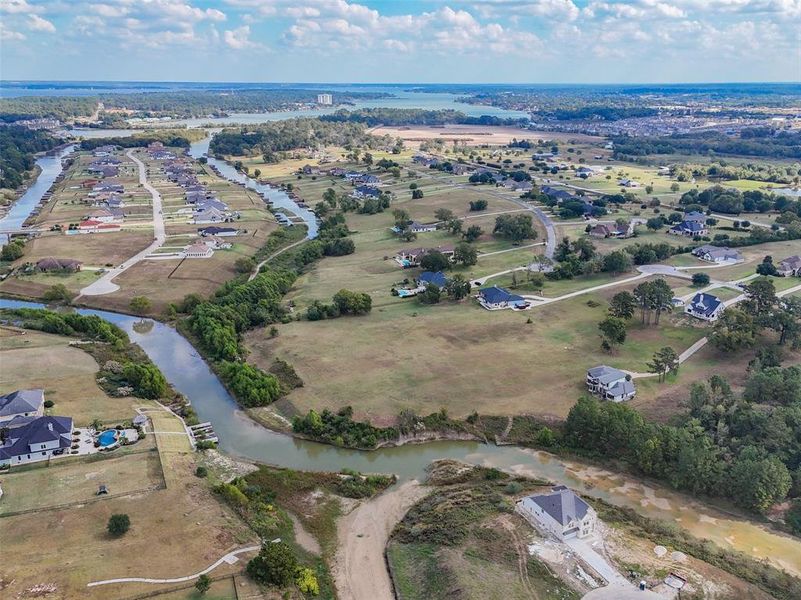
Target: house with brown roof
x,y
790,266
58,265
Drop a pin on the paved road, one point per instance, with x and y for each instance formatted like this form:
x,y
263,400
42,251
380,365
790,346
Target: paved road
x,y
583,548
104,285
229,558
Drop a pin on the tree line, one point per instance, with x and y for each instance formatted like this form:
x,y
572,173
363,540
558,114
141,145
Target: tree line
x,y
18,146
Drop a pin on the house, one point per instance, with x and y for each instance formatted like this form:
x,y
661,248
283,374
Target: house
x,y
560,512
600,231
108,186
426,161
216,243
412,257
106,150
542,155
717,254
629,183
92,226
367,178
689,229
106,215
609,383
695,216
585,172
198,250
58,265
705,306
557,194
207,203
21,403
418,227
497,298
33,439
218,231
518,186
366,191
209,215
461,169
432,278
790,266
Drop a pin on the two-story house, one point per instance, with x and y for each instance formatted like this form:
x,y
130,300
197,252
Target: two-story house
x,y
609,383
561,513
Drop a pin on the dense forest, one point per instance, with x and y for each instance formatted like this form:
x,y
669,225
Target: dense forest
x,y
37,107
759,141
724,171
282,136
18,145
168,137
414,116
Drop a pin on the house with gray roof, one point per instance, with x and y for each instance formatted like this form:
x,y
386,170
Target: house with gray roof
x,y
717,254
789,266
21,403
609,383
705,306
33,439
560,512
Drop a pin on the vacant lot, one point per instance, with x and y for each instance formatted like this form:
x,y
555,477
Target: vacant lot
x,y
458,356
476,135
31,359
78,480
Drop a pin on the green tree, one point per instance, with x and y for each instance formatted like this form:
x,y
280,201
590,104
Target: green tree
x,y
330,197
443,214
613,332
275,564
434,261
430,295
256,173
766,267
457,287
478,205
12,251
757,483
244,264
57,293
760,297
665,361
700,279
465,254
203,582
733,331
674,187
516,227
417,194
616,262
146,379
140,304
622,305
118,524
473,233
655,223
455,226
353,303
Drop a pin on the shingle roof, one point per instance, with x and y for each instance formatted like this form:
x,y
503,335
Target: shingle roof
x,y
562,504
605,374
38,431
437,278
496,295
705,303
21,401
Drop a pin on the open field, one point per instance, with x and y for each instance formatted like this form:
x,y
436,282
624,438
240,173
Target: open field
x,y
458,356
67,374
476,134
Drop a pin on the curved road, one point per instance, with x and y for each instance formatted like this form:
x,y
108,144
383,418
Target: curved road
x,y
104,284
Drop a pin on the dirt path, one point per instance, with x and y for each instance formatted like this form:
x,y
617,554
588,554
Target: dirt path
x,y
272,256
304,539
359,569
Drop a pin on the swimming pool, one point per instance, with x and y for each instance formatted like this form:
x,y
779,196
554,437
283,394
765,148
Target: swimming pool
x,y
108,437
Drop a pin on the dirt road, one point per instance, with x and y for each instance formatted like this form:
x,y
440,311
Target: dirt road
x,y
359,569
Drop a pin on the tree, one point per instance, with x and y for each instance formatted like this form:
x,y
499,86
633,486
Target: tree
x,y
457,288
613,332
417,194
455,226
275,564
465,254
434,261
430,295
700,279
443,214
203,584
766,267
661,296
655,223
256,173
244,264
140,304
330,197
473,233
622,305
353,303
674,187
665,361
758,483
57,293
515,227
12,251
733,331
616,262
760,297
118,525
478,205
367,158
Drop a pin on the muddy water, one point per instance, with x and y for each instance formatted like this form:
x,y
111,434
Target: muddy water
x,y
242,437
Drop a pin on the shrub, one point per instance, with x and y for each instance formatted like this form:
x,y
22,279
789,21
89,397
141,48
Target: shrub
x,y
118,524
201,471
275,564
48,403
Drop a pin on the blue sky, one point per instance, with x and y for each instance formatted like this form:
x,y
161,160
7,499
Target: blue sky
x,y
525,41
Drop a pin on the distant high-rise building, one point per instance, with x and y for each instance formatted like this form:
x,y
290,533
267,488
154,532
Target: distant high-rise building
x,y
325,99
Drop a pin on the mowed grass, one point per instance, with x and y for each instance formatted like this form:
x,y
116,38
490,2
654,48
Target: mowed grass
x,y
457,356
65,483
67,374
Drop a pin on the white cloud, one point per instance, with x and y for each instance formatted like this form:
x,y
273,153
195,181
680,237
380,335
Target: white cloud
x,y
7,35
37,23
238,38
18,7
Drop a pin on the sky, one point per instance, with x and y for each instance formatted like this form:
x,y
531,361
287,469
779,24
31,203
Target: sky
x,y
419,41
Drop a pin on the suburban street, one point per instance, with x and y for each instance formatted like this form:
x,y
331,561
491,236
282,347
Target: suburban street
x,y
104,285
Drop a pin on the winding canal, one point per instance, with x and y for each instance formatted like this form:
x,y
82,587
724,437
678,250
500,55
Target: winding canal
x,y
242,437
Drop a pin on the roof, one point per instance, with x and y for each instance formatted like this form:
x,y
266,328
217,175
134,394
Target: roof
x,y
695,216
436,278
687,225
562,505
704,303
622,388
215,230
793,262
21,401
57,264
717,252
496,295
605,374
38,431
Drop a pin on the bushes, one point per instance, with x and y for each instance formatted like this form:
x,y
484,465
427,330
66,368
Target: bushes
x,y
91,326
275,564
353,303
146,379
341,430
118,525
251,386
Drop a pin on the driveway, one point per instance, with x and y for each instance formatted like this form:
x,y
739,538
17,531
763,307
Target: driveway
x,y
104,285
585,551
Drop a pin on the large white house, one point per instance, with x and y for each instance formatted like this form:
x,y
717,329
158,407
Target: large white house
x,y
31,439
21,403
609,383
561,513
705,306
717,254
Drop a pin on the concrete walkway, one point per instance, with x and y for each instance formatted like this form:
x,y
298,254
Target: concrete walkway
x,y
104,285
229,558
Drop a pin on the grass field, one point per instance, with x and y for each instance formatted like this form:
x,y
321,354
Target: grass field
x,y
38,360
457,356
